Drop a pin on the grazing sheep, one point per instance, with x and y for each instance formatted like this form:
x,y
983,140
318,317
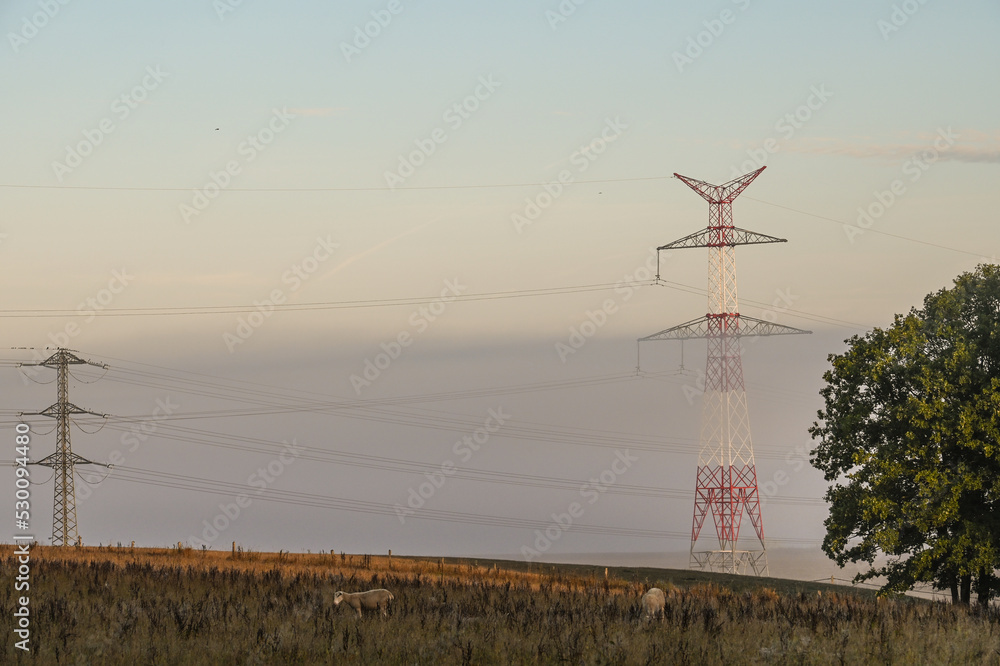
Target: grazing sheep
x,y
370,600
653,603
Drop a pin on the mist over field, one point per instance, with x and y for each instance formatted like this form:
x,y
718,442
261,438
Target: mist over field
x,y
573,430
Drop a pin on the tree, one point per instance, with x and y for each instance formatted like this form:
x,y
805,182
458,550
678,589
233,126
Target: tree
x,y
910,439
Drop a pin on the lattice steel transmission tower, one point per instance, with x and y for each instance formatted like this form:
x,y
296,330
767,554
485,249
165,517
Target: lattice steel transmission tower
x,y
726,480
63,461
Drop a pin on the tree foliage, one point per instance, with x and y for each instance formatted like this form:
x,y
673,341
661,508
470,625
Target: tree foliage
x,y
910,439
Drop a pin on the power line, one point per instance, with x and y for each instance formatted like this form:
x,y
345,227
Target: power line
x,y
680,286
480,186
392,302
874,231
274,398
391,411
246,444
327,189
212,486
268,395
324,305
265,394
199,484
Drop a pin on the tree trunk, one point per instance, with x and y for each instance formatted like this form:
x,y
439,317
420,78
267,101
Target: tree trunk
x,y
966,589
984,587
954,590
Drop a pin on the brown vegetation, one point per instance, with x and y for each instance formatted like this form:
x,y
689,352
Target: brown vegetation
x,y
170,606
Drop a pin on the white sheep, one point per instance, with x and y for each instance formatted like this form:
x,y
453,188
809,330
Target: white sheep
x,y
653,603
370,600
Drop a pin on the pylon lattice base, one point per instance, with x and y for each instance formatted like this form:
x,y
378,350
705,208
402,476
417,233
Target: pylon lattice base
x,y
743,562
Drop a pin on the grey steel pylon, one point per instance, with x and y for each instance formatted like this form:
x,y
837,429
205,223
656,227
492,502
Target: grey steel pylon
x,y
63,460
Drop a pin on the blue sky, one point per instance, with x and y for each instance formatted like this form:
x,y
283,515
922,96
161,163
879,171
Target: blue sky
x,y
869,100
556,89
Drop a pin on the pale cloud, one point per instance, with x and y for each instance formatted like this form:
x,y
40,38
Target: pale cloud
x,y
237,279
372,250
320,111
972,146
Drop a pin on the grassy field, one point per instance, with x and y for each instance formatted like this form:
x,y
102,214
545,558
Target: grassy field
x,y
170,606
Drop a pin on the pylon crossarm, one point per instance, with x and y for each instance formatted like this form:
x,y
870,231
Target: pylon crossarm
x,y
721,237
696,328
751,326
724,193
64,355
56,459
728,325
56,410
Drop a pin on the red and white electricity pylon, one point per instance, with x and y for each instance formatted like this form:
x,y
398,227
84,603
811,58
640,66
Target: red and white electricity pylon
x,y
726,482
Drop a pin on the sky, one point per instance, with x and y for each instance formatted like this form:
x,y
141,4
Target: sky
x,y
244,207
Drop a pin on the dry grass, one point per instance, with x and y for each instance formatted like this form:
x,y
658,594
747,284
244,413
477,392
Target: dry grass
x,y
331,565
170,606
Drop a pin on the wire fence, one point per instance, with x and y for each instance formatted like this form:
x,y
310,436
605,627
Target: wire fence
x,y
921,590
